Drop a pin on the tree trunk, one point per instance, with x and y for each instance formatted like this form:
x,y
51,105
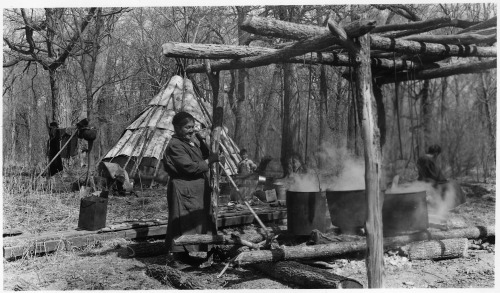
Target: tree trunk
x,y
287,133
241,92
352,127
439,249
442,108
266,115
322,110
373,167
54,93
13,130
490,121
379,99
307,277
426,114
242,83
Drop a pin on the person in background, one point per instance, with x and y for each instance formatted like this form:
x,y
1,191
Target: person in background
x,y
428,170
186,161
445,194
246,166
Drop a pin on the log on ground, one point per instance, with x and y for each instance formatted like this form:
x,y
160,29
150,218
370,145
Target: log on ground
x,y
438,249
173,277
339,248
306,276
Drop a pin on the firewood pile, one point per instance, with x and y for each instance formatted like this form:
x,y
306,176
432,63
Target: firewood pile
x,y
316,261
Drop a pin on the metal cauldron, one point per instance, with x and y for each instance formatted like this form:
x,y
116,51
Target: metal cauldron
x,y
306,211
402,213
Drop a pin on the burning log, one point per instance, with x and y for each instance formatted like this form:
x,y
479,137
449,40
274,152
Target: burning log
x,y
439,249
306,276
339,248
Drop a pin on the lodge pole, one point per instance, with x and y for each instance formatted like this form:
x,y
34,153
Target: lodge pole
x,y
373,167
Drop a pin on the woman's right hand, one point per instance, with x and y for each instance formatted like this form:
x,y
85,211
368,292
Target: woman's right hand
x,y
212,158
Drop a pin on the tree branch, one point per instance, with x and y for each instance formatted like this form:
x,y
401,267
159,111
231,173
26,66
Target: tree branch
x,y
74,39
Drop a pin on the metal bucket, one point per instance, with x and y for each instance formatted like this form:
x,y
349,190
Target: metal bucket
x,y
402,213
280,190
305,212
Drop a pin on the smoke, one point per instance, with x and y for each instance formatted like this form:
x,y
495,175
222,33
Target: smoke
x,y
309,182
351,176
441,198
334,168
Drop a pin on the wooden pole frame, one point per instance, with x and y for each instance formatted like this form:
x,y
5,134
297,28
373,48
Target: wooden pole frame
x,y
373,166
360,49
356,39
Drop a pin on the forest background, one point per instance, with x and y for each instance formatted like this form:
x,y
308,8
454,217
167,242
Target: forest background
x,y
64,64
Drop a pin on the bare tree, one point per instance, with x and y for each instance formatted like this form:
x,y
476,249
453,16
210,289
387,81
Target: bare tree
x,y
48,39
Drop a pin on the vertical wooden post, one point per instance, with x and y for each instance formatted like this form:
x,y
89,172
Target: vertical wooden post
x,y
372,151
214,148
217,117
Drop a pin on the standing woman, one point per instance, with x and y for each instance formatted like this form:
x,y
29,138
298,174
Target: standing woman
x,y
188,193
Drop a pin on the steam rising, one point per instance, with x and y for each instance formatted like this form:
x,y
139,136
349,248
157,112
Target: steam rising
x,y
342,171
441,198
339,171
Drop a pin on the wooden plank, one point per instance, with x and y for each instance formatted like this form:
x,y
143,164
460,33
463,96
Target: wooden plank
x,y
249,218
11,232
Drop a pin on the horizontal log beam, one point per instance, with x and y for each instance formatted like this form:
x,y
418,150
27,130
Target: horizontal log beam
x,y
314,43
443,71
297,49
429,24
291,30
212,51
314,59
463,39
492,22
411,47
271,27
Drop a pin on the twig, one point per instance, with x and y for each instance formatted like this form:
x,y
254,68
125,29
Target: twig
x,y
227,265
